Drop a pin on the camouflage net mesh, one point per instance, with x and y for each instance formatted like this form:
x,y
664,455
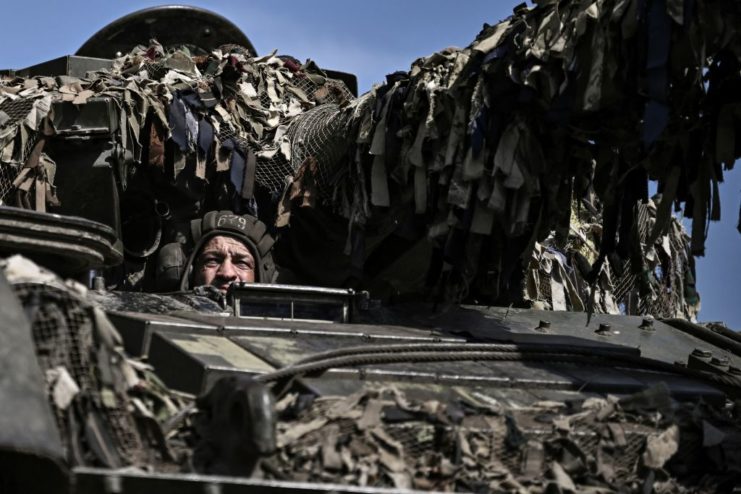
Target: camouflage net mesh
x,y
420,437
382,437
313,133
16,110
321,138
8,174
64,331
317,135
664,289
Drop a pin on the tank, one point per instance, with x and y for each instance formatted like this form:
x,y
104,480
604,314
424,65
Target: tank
x,y
469,288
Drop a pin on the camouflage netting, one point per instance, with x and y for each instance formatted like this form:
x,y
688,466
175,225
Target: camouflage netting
x,y
556,277
485,154
111,411
381,437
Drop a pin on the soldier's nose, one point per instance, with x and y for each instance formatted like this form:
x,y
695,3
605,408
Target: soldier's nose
x,y
226,270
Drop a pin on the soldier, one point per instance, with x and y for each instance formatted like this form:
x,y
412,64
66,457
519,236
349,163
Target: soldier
x,y
222,261
228,248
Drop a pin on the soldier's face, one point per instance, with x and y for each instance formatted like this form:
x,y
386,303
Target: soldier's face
x,y
222,261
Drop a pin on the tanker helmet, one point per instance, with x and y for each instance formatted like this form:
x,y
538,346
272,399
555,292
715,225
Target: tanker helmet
x,y
245,228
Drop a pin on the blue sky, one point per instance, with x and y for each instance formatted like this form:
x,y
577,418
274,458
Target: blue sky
x,y
369,39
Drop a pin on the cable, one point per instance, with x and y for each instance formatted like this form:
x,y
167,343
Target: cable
x,y
579,356
452,347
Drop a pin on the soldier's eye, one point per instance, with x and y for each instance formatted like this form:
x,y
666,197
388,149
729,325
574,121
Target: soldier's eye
x,y
243,264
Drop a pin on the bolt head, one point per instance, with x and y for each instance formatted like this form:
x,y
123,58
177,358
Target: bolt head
x,y
647,324
543,325
603,328
702,353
